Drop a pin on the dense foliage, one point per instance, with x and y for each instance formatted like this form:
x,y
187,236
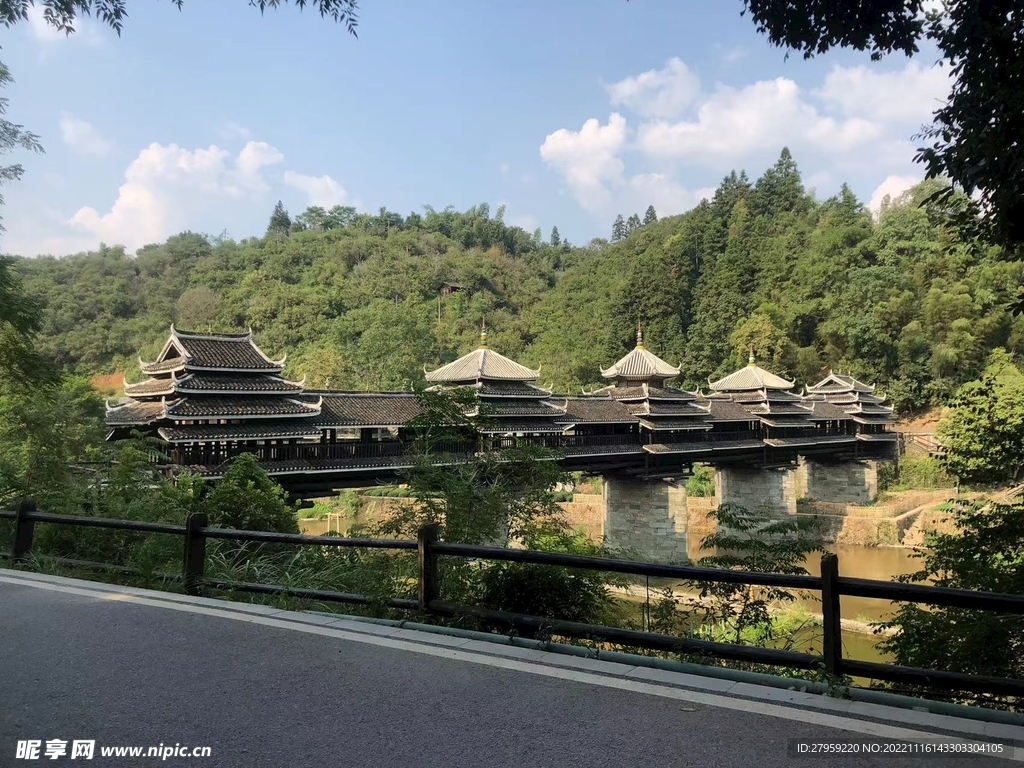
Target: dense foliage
x,y
983,430
986,552
975,136
363,301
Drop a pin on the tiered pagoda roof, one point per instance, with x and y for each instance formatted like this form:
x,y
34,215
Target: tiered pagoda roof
x,y
765,396
855,398
640,388
508,399
209,379
640,365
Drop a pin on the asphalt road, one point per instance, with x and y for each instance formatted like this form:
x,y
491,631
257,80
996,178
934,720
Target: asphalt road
x,y
78,667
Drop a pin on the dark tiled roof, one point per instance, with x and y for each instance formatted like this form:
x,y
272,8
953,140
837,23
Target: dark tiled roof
x,y
357,409
824,411
725,410
676,408
164,366
644,392
786,422
234,353
135,412
509,389
226,382
266,429
150,388
675,425
703,447
811,439
592,410
873,418
780,409
503,426
241,406
512,408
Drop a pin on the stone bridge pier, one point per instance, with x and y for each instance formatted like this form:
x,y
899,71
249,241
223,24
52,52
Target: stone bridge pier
x,y
649,517
777,491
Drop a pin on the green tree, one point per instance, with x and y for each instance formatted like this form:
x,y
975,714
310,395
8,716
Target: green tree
x,y
984,113
247,499
751,540
20,322
632,224
619,230
280,222
497,498
197,309
62,14
780,190
650,216
556,239
984,552
983,431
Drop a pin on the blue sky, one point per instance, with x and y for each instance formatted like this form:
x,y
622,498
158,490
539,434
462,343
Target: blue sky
x,y
566,112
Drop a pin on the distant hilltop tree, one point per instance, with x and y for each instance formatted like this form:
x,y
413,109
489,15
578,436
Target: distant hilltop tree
x,y
280,222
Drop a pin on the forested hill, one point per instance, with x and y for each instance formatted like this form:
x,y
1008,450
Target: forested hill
x,y
355,300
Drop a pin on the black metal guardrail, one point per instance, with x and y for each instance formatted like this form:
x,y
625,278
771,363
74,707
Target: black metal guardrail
x,y
196,532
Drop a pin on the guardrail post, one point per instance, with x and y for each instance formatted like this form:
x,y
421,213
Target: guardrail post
x,y
832,626
194,562
24,530
430,582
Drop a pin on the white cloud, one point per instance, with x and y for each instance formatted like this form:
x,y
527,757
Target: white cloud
x,y
320,190
854,124
893,186
665,92
503,169
82,137
666,195
909,95
737,122
588,158
165,186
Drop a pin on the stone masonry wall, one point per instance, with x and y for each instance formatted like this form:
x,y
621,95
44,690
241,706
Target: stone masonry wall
x,y
770,490
648,517
846,483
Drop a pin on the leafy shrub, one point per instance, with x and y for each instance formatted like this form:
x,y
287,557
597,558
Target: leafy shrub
x,y
923,472
985,553
701,481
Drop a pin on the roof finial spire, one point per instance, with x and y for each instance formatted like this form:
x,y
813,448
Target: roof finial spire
x,y
639,337
750,361
483,333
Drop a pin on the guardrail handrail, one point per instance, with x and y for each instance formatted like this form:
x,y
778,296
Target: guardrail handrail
x,y
830,584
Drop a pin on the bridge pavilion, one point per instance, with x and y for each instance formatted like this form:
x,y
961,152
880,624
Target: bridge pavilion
x,y
210,397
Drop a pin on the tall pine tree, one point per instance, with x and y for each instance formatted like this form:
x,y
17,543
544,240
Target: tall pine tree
x,y
650,216
780,190
619,229
280,222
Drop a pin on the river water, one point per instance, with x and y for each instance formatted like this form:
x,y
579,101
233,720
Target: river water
x,y
880,563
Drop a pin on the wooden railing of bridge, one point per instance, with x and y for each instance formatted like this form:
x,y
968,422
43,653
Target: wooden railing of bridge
x,y
356,453
830,585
